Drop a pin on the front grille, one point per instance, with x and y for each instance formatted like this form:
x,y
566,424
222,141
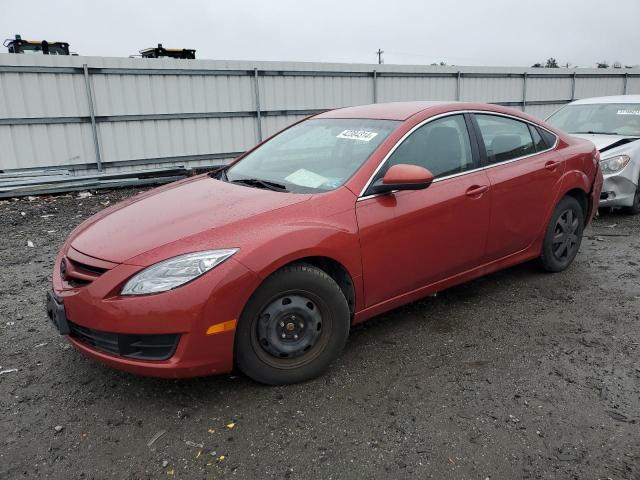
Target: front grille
x,y
80,274
79,270
140,347
87,269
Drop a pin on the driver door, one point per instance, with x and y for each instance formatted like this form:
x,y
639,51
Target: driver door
x,y
410,239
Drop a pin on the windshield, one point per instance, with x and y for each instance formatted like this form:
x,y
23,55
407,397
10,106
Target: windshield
x,y
313,156
603,118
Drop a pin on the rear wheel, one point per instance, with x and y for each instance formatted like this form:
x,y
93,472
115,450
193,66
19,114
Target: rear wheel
x,y
563,236
293,326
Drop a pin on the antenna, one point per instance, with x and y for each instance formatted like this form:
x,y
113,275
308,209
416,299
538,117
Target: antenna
x,y
380,59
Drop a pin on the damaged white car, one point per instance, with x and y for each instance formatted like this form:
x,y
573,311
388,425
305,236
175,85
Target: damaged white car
x,y
613,125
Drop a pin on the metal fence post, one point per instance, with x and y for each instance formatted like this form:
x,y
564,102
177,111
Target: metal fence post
x,y
524,92
626,80
458,85
573,86
375,87
92,115
258,114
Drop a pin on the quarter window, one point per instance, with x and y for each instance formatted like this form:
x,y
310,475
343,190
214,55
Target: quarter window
x,y
549,138
441,146
504,138
537,139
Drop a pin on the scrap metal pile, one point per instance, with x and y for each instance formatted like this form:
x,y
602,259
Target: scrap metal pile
x,y
39,182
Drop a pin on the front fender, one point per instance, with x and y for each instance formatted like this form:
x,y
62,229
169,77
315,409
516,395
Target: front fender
x,y
297,241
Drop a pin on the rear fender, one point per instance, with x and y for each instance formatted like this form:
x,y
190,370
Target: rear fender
x,y
571,180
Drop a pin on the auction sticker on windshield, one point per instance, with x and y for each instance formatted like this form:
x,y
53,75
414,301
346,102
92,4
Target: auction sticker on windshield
x,y
628,112
362,135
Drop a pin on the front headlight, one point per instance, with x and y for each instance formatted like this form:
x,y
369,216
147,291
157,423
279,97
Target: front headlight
x,y
614,164
174,272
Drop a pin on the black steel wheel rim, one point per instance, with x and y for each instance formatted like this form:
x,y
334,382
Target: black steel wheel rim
x,y
565,235
291,329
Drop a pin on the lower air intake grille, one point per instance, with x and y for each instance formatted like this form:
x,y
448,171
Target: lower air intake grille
x,y
140,347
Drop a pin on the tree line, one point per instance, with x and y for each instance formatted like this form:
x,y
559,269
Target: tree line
x,y
553,63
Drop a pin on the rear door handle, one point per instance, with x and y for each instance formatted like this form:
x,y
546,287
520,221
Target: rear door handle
x,y
551,165
476,190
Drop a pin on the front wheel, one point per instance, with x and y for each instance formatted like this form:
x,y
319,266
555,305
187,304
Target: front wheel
x,y
293,327
635,208
563,235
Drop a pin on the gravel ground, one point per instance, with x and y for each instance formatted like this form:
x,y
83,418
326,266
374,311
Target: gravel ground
x,y
520,374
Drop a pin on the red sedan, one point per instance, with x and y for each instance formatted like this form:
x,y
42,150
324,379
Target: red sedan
x,y
266,264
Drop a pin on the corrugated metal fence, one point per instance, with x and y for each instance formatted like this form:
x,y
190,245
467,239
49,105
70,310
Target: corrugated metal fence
x,y
120,113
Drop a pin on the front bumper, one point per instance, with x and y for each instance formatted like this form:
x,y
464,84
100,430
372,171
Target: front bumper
x,y
617,191
98,316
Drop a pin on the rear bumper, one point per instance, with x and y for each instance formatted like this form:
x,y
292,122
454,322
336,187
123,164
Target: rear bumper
x,y
618,191
113,329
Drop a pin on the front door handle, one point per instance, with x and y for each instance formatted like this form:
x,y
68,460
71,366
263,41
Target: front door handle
x,y
551,165
476,190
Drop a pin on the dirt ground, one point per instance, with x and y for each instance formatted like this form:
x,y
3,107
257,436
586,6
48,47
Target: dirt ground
x,y
521,374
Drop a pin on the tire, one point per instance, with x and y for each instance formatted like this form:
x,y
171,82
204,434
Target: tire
x,y
563,236
292,327
635,208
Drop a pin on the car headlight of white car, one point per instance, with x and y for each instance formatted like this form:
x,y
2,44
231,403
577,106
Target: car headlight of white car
x,y
614,164
174,272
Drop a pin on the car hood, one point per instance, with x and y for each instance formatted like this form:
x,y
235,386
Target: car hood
x,y
607,142
171,213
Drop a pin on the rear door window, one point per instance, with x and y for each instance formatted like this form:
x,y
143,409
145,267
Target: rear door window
x,y
504,138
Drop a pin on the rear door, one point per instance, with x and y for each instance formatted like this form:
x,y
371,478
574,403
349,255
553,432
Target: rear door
x,y
410,239
524,172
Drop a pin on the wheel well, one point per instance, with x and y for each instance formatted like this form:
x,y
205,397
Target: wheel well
x,y
582,199
339,274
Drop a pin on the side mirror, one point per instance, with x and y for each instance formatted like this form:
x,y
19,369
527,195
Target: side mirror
x,y
403,177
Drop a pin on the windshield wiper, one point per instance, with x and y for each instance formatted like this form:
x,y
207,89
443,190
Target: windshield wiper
x,y
220,173
256,182
592,132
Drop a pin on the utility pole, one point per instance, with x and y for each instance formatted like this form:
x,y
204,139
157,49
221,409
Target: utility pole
x,y
380,52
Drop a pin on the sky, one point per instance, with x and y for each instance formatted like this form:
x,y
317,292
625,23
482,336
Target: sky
x,y
458,32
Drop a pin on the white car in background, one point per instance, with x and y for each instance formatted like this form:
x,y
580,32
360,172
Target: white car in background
x,y
613,125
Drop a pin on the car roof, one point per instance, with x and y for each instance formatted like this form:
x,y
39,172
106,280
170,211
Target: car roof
x,y
610,99
382,111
